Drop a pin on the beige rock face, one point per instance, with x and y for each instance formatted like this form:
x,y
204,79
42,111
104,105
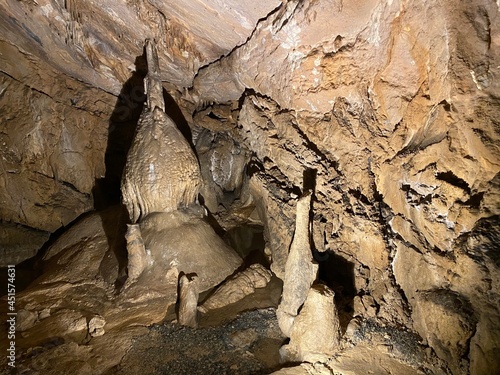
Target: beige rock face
x,y
136,253
188,301
183,240
52,144
222,162
97,44
397,115
162,173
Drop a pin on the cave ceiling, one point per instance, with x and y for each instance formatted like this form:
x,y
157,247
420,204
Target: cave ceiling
x,y
98,42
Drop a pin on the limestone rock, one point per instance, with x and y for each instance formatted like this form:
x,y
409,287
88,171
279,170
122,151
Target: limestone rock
x,y
223,163
315,332
305,369
394,104
300,271
188,301
25,319
442,310
50,163
97,45
18,243
239,286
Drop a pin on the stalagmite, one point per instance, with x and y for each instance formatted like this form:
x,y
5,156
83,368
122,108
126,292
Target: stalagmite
x,y
160,186
243,284
316,330
137,257
162,173
300,269
188,301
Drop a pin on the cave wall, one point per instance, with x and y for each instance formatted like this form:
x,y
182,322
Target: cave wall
x,y
392,106
53,132
395,106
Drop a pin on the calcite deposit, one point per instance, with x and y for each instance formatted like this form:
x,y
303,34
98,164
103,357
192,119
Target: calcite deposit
x,y
309,341
387,110
162,173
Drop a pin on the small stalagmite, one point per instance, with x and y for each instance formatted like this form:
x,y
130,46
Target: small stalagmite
x,y
162,173
300,269
188,301
137,257
316,330
240,286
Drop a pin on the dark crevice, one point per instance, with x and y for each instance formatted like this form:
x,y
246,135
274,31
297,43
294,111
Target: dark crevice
x,y
360,196
308,144
454,180
72,187
475,200
338,274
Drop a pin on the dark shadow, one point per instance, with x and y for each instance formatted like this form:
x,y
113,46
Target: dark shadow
x,y
30,269
25,273
121,131
107,195
309,178
338,274
173,110
248,241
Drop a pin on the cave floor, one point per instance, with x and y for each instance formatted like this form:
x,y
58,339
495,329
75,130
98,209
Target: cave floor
x,y
248,345
244,339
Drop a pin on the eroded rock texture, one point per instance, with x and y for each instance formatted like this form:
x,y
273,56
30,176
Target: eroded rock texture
x,y
309,341
399,118
237,287
392,105
53,132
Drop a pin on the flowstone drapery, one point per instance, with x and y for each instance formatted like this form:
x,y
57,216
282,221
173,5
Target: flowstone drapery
x,y
162,173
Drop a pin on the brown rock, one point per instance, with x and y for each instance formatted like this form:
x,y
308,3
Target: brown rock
x,y
183,240
188,301
315,332
394,104
96,326
239,286
137,256
162,172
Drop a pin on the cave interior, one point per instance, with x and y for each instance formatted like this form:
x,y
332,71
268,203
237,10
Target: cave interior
x,y
250,187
